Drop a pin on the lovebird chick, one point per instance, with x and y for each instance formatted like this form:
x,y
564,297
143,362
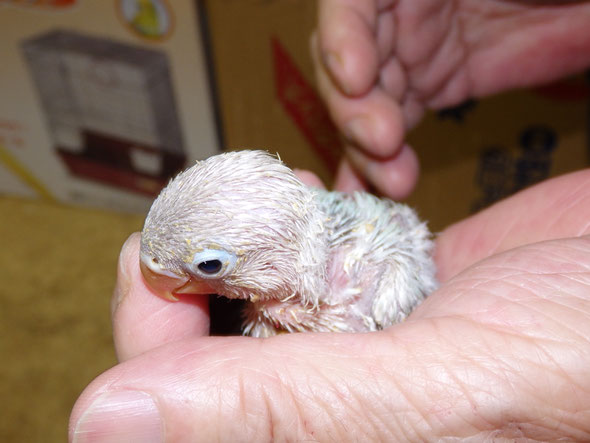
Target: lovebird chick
x,y
243,226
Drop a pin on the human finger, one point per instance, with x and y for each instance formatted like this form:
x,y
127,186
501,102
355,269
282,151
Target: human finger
x,y
141,319
237,388
373,122
309,178
395,177
556,208
348,179
539,290
347,46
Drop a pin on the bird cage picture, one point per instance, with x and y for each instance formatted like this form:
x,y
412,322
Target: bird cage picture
x,y
109,108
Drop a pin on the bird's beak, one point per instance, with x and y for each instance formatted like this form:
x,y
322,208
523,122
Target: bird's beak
x,y
168,285
195,287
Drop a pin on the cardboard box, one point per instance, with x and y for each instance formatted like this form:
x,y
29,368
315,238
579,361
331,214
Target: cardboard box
x,y
102,101
471,155
484,151
263,83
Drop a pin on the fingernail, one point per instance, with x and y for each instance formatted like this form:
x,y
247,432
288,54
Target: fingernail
x,y
335,66
358,131
129,416
332,61
123,278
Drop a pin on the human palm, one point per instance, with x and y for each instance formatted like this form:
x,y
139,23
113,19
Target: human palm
x,y
381,63
502,349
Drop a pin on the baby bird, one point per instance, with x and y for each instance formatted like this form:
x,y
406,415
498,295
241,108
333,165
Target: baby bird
x,y
242,225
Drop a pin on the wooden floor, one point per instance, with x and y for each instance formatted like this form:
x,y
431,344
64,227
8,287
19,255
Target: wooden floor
x,y
57,269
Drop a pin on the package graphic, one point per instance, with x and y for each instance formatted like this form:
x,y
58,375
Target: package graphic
x,y
102,102
109,107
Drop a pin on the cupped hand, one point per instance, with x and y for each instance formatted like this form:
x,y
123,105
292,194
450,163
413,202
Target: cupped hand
x,y
502,349
381,63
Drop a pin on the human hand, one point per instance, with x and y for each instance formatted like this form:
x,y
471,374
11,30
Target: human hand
x,y
381,63
502,349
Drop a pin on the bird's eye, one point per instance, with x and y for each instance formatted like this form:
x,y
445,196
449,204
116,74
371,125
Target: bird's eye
x,y
210,266
213,263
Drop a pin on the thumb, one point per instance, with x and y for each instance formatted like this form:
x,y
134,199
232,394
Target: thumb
x,y
142,320
412,382
292,387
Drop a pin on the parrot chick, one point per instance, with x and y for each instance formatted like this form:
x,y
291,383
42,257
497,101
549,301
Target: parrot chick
x,y
243,226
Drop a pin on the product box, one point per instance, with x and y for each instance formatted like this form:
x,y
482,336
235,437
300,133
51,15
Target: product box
x,y
102,101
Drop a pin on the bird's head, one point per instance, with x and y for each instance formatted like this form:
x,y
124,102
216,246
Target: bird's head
x,y
239,224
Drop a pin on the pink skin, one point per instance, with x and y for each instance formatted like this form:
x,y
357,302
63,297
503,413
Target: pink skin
x,y
381,63
502,349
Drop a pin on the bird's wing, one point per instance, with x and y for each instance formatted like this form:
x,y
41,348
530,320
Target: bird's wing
x,y
405,246
389,252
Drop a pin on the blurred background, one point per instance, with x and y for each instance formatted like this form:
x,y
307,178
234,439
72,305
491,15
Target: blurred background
x,y
101,102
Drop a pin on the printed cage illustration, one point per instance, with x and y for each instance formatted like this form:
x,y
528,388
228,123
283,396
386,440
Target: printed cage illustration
x,y
109,107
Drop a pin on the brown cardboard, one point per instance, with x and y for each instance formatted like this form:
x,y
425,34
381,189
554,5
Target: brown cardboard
x,y
503,144
250,40
470,156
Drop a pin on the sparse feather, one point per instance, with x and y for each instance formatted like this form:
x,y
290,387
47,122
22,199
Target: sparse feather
x,y
307,259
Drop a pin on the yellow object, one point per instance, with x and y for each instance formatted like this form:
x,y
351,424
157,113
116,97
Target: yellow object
x,y
146,20
14,165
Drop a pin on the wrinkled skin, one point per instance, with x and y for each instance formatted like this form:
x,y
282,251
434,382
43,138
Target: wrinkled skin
x,y
502,349
381,63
